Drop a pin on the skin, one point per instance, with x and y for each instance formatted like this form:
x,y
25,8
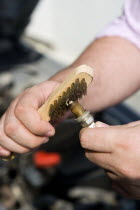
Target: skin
x,y
116,62
117,150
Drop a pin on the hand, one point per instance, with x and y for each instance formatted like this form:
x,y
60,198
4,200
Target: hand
x,y
21,128
117,150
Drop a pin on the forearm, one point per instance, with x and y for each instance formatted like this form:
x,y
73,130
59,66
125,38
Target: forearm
x,y
117,71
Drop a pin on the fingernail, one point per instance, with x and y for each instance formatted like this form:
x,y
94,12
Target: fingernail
x,y
4,152
101,124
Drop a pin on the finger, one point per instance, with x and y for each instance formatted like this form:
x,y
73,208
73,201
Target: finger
x,y
30,118
4,152
8,143
132,124
103,139
101,159
97,139
27,106
18,133
101,124
15,130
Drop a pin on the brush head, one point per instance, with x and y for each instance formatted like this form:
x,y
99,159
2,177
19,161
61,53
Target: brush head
x,y
73,93
72,88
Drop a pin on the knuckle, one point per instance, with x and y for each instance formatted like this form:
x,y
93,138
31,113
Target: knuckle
x,y
19,109
10,128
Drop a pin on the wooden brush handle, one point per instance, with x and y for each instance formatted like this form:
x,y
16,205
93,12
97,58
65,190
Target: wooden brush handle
x,y
80,72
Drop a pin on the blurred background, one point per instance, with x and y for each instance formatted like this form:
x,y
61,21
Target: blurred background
x,y
38,38
69,26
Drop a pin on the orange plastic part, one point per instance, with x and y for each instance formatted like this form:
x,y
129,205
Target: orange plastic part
x,y
44,159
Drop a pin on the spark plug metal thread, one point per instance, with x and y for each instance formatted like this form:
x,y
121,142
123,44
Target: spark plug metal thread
x,y
82,116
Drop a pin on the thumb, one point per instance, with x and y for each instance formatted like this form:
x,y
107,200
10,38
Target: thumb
x,y
99,124
102,138
132,124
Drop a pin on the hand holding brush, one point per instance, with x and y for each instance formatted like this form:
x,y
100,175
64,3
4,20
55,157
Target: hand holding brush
x,y
66,96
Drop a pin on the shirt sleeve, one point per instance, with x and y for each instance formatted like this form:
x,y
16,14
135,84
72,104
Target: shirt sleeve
x,y
127,25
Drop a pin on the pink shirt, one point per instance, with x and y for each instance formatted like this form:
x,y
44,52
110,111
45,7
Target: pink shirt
x,y
128,24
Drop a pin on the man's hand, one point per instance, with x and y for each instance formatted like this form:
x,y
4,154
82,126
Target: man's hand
x,y
117,150
21,128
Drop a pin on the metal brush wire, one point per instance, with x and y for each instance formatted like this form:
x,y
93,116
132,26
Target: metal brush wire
x,y
73,93
68,99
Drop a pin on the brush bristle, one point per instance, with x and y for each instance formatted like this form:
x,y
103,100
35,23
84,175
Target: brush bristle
x,y
73,93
